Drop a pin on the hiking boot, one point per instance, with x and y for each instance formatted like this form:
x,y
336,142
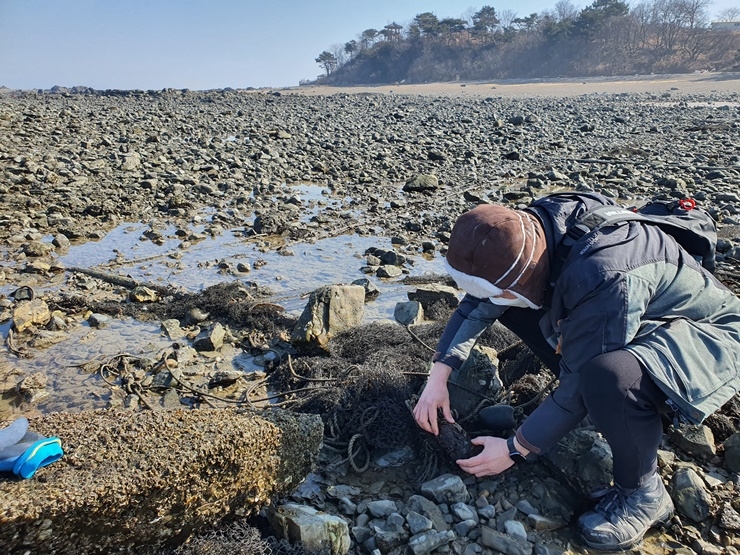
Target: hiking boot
x,y
622,516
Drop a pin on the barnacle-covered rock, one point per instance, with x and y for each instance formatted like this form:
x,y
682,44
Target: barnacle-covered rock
x,y
133,479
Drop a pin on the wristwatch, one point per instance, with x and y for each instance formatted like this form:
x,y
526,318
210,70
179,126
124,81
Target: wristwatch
x,y
514,454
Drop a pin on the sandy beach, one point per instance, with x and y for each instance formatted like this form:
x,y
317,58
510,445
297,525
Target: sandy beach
x,y
695,83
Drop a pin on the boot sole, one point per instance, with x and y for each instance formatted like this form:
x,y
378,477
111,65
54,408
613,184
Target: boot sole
x,y
662,522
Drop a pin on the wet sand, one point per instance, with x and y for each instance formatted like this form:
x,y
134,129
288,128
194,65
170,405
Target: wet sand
x,y
695,83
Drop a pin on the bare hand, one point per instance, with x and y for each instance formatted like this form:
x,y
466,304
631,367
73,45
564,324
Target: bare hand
x,y
494,458
434,397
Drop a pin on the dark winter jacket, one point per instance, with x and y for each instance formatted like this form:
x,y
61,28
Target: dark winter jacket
x,y
627,286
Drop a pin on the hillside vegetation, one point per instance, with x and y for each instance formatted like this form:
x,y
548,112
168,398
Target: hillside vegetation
x,y
608,37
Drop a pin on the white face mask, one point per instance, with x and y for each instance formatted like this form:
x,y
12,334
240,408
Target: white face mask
x,y
503,301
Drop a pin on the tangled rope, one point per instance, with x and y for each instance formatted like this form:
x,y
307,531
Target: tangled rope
x,y
351,453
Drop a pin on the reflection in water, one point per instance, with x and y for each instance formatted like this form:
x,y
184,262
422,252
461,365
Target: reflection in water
x,y
289,272
310,192
69,385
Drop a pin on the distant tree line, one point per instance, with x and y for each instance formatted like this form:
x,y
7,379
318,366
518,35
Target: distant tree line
x,y
608,37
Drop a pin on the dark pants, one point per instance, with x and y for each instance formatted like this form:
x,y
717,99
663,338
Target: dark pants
x,y
622,400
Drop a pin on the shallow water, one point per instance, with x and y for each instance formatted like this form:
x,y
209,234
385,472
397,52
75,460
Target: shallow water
x,y
69,386
290,272
708,104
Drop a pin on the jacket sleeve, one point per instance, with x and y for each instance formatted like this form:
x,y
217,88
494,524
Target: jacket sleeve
x,y
472,317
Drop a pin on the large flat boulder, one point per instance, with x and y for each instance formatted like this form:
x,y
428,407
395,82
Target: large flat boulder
x,y
330,311
131,479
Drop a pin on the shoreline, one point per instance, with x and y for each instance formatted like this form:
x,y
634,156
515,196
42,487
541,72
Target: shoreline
x,y
230,192
695,83
701,83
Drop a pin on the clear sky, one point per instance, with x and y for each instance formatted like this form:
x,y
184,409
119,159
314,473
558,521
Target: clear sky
x,y
154,44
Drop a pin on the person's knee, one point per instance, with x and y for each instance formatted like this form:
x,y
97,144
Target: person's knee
x,y
596,377
607,375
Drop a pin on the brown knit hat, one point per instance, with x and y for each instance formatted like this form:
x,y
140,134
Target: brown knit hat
x,y
493,249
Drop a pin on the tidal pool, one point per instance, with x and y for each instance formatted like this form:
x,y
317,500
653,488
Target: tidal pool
x,y
291,272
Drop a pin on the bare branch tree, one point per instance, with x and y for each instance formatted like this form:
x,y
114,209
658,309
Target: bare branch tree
x,y
467,15
507,17
565,10
340,54
729,14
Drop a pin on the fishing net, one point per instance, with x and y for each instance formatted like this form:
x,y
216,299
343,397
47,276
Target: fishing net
x,y
239,538
360,389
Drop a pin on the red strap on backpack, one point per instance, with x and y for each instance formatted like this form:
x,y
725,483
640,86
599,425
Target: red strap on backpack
x,y
687,203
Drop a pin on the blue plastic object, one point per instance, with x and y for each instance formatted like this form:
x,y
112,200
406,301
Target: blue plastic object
x,y
42,453
13,433
23,452
9,455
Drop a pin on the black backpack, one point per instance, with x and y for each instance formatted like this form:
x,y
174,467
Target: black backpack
x,y
691,227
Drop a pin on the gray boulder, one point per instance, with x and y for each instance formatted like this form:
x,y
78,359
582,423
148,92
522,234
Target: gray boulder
x,y
426,542
504,543
421,182
690,495
477,376
311,528
433,293
697,440
448,488
583,460
408,313
732,452
210,339
428,509
330,310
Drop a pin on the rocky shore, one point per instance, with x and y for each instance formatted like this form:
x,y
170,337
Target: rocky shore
x,y
75,165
